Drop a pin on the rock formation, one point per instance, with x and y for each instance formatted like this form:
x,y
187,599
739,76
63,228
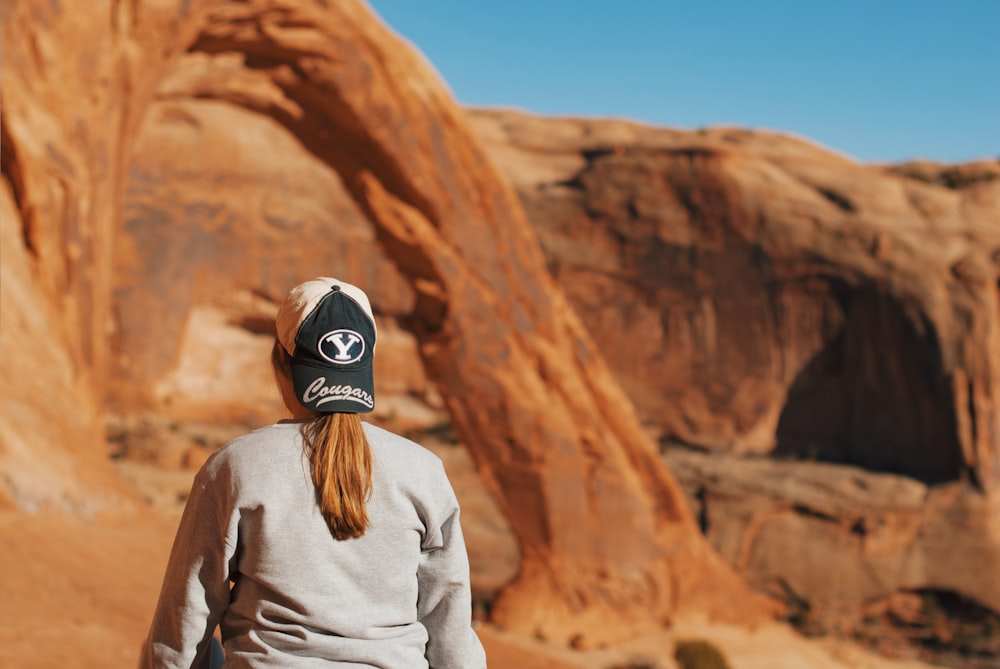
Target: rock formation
x,y
609,547
65,124
756,293
166,180
836,542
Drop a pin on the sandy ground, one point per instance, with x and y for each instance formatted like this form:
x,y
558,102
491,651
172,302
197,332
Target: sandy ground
x,y
79,592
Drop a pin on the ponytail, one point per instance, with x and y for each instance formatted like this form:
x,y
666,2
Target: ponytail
x,y
341,464
340,461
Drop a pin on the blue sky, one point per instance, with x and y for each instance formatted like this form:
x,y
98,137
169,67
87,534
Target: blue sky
x,y
878,80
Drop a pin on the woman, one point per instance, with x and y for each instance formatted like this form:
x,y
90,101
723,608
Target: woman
x,y
321,541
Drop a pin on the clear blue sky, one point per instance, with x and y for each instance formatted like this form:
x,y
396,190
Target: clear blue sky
x,y
878,80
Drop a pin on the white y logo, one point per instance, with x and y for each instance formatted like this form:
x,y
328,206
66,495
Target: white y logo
x,y
342,348
344,341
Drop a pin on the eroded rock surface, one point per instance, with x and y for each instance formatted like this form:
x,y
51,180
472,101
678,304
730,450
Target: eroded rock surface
x,y
756,293
843,536
843,547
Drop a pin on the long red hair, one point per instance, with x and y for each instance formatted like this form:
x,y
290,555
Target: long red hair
x,y
340,462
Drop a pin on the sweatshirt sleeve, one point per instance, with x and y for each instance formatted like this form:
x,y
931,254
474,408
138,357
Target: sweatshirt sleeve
x,y
195,589
444,604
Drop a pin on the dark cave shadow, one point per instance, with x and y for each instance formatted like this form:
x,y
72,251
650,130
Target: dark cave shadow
x,y
875,396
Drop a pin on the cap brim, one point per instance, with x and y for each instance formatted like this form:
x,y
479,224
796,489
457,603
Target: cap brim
x,y
341,391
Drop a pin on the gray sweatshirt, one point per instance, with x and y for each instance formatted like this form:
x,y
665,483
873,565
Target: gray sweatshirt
x,y
254,555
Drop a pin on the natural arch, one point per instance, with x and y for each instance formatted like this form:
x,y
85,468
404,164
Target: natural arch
x,y
524,386
609,546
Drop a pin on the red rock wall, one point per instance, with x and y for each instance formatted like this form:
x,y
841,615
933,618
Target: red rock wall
x,y
757,293
62,185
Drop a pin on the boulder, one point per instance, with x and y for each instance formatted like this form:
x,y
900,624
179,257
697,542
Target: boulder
x,y
834,539
841,546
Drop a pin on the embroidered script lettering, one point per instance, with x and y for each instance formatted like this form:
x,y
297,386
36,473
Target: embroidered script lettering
x,y
320,393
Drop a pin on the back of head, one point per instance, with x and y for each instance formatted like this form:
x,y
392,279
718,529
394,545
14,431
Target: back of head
x,y
325,347
327,328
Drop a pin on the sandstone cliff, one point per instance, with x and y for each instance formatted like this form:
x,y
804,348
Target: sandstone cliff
x,y
757,293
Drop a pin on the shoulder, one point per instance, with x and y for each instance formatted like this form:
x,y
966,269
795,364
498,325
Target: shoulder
x,y
400,448
416,473
383,439
261,447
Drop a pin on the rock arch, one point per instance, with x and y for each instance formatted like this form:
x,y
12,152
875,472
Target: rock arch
x,y
609,546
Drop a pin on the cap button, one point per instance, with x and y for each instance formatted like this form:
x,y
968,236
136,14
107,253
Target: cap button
x,y
335,288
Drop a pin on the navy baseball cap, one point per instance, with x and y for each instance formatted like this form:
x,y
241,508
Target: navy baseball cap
x,y
327,327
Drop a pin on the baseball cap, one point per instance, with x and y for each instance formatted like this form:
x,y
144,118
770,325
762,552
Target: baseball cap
x,y
327,327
